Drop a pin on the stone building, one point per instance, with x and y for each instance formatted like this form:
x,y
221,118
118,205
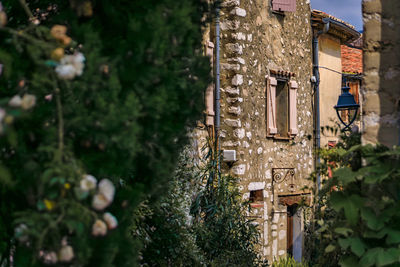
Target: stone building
x,y
266,131
338,35
381,91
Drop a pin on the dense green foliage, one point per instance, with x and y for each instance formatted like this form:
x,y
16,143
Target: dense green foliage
x,y
120,113
288,262
357,220
200,222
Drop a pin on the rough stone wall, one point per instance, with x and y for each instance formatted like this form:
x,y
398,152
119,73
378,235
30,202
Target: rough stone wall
x,y
254,40
382,71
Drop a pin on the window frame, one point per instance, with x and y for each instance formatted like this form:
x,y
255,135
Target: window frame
x,y
271,123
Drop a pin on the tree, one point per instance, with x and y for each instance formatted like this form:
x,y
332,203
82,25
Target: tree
x,y
89,89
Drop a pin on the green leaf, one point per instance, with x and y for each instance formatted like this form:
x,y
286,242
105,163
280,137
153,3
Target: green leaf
x,y
344,243
369,258
345,175
393,237
372,220
348,261
330,248
386,257
357,246
5,177
343,231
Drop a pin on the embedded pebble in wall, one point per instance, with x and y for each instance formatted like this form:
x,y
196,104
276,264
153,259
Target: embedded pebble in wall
x,y
246,144
227,66
259,150
229,3
237,80
281,252
235,111
256,186
239,12
234,48
250,151
239,133
274,234
250,82
265,232
233,100
234,91
250,37
268,174
229,25
270,160
233,122
274,227
239,36
231,144
248,134
239,169
274,247
282,234
246,196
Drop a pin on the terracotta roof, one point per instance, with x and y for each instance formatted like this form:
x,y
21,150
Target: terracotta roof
x,y
351,60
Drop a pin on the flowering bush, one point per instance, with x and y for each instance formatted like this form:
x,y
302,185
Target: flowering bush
x,y
88,89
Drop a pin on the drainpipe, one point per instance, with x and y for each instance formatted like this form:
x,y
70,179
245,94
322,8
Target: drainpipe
x,y
326,22
217,90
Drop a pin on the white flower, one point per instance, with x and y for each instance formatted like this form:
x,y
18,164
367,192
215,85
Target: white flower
x,y
106,188
66,72
49,257
110,220
71,66
20,233
66,253
15,101
88,183
28,101
99,228
100,202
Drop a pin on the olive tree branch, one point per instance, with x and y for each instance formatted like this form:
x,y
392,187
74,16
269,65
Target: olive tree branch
x,y
26,9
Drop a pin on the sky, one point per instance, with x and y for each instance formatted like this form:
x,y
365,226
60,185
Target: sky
x,y
347,10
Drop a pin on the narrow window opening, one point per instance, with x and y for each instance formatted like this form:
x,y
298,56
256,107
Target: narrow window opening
x,y
256,196
282,108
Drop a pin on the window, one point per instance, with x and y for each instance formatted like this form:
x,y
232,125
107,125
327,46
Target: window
x,y
281,108
256,196
284,5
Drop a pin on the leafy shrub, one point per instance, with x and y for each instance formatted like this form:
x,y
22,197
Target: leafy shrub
x,y
357,220
288,262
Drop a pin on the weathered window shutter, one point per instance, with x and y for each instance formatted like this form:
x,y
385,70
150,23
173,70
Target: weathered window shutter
x,y
284,5
271,106
293,108
209,97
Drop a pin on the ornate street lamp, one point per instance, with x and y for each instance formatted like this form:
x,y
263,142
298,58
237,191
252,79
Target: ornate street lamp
x,y
346,108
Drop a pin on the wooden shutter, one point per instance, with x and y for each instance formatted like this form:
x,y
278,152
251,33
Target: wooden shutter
x,y
284,5
271,106
209,97
293,108
354,91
